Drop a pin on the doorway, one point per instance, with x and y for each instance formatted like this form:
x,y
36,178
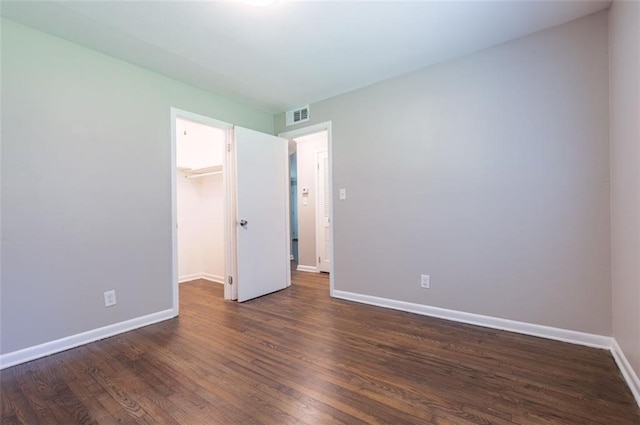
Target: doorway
x,y
293,201
198,162
311,196
251,182
200,201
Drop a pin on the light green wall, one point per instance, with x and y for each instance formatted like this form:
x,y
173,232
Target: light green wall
x,y
490,173
86,185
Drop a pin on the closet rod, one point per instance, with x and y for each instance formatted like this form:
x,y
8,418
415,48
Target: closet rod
x,y
193,176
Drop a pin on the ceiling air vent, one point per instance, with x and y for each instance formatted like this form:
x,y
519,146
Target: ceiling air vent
x,y
298,115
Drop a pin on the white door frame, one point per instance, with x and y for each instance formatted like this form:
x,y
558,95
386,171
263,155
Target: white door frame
x,y
320,213
230,218
292,134
228,128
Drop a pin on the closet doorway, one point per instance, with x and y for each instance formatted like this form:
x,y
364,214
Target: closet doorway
x,y
230,204
200,201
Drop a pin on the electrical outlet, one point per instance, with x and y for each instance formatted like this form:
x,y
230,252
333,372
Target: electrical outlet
x,y
425,281
109,298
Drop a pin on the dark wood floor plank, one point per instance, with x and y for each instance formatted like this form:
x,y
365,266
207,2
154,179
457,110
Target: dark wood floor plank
x,y
300,357
303,369
159,397
65,405
19,408
7,412
36,392
352,372
178,371
220,380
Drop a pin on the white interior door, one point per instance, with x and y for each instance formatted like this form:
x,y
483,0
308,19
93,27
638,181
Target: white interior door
x,y
262,211
323,236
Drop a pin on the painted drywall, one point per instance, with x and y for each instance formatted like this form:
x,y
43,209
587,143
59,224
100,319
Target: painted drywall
x,y
198,146
212,220
200,227
189,213
624,56
307,148
199,149
490,173
86,185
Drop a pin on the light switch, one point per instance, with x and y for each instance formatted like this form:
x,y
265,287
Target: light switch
x,y
343,194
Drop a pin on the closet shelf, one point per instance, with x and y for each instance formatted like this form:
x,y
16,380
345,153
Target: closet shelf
x,y
200,172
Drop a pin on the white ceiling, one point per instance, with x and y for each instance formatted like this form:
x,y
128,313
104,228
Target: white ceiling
x,y
291,53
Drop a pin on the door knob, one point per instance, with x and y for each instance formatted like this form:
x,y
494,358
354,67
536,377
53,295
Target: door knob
x,y
243,223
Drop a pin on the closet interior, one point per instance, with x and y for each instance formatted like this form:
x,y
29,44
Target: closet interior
x,y
200,201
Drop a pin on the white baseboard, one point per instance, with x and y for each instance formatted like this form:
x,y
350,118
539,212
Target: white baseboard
x,y
62,344
196,276
628,373
189,277
311,269
574,337
213,278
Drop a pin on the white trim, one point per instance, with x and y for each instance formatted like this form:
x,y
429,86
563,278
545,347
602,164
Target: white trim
x,y
287,222
558,334
197,176
230,217
196,276
633,381
331,216
62,344
311,269
319,213
189,277
574,337
201,119
175,281
316,213
213,278
303,131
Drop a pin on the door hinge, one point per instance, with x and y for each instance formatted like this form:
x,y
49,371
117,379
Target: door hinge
x,y
230,280
319,260
228,147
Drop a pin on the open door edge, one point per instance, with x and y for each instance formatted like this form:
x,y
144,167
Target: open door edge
x,y
230,234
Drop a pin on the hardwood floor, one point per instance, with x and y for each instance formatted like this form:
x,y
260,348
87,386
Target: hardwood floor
x,y
300,357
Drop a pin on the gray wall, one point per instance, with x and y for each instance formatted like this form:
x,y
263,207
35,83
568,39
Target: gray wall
x,y
490,173
86,199
624,26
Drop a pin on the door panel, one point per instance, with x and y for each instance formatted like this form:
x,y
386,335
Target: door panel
x,y
262,188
